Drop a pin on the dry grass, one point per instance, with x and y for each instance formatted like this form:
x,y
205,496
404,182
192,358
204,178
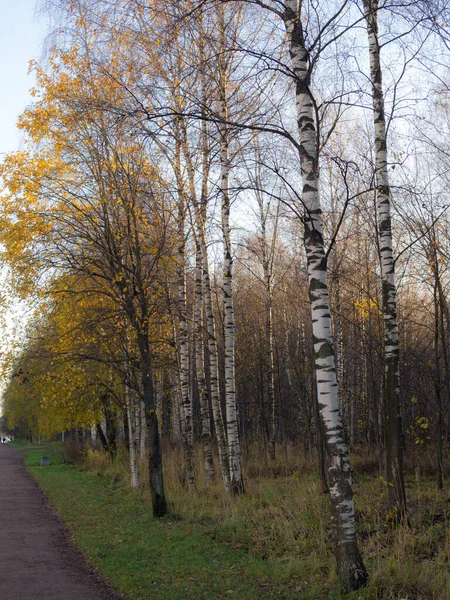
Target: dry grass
x,y
283,517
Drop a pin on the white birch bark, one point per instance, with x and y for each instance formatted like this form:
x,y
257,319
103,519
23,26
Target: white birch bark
x,y
131,401
200,233
181,336
137,415
213,357
200,372
142,428
186,401
184,354
159,401
345,405
393,423
350,566
175,418
287,353
187,448
234,449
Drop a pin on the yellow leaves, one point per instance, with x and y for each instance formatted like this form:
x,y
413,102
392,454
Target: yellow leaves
x,y
57,390
418,431
422,422
365,307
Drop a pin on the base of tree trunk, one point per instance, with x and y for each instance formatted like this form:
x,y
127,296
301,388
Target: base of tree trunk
x,y
159,506
352,572
237,487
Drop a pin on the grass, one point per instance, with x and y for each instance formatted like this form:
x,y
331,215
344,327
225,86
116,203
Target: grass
x,y
274,542
147,558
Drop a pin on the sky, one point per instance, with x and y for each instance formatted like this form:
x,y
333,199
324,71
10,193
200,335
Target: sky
x,y
22,37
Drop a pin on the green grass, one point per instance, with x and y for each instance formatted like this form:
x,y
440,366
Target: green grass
x,y
34,452
147,558
273,542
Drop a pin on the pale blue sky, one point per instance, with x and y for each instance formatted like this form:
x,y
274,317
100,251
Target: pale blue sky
x,y
21,39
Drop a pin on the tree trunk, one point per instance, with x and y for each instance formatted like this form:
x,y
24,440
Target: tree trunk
x,y
321,445
444,338
393,421
438,387
352,572
200,234
234,449
142,425
102,437
155,456
213,354
133,441
186,400
210,474
269,362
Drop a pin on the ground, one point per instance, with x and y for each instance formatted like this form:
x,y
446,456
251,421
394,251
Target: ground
x,y
37,557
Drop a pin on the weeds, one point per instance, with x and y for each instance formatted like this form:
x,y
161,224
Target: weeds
x,y
284,521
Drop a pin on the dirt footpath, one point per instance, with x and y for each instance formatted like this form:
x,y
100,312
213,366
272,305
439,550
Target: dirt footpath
x,y
37,560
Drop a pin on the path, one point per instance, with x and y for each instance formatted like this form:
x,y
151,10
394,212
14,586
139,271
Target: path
x,y
37,560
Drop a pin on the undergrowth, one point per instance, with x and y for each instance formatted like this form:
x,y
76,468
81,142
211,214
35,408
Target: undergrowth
x,y
283,521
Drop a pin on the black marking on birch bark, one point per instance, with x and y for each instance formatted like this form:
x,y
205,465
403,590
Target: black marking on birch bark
x,y
316,285
325,351
306,124
384,191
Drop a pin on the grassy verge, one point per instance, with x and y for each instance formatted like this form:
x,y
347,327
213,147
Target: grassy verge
x,y
146,558
274,542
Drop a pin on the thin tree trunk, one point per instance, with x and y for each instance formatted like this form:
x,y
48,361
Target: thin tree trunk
x,y
210,474
438,387
133,441
189,477
266,257
142,425
234,448
186,403
393,421
351,569
340,354
200,218
444,338
214,370
155,455
212,349
159,402
175,417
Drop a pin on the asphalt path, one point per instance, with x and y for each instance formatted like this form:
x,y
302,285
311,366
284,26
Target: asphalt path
x,y
37,558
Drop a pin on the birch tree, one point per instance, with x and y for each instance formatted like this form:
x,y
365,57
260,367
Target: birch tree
x,y
224,64
350,566
392,411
